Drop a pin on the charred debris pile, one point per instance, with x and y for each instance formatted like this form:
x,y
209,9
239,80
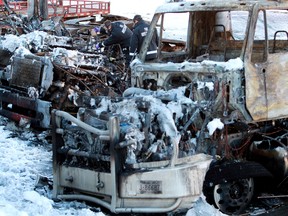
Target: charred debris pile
x,y
51,63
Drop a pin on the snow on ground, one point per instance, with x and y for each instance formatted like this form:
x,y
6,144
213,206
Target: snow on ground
x,y
25,157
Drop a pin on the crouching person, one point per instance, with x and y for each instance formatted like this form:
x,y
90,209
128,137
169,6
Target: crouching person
x,y
118,33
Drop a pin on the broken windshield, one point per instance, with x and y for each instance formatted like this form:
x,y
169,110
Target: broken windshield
x,y
175,25
201,33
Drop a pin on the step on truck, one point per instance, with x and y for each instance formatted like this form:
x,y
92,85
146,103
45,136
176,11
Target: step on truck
x,y
208,115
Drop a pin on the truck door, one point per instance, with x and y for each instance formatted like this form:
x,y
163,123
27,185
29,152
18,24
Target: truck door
x,y
266,68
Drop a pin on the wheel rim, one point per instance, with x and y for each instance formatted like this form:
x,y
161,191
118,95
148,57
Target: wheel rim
x,y
233,196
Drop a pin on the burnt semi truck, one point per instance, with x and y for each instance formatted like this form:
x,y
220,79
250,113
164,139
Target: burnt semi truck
x,y
208,115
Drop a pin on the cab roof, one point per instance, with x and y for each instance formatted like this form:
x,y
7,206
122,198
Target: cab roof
x,y
218,5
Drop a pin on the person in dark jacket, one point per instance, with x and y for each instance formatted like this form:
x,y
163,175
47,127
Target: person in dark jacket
x,y
118,33
139,32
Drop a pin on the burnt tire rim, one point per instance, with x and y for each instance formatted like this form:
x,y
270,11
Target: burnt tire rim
x,y
233,197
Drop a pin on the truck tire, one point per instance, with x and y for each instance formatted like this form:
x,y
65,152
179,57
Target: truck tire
x,y
232,197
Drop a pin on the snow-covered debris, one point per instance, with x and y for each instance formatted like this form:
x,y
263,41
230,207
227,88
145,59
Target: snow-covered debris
x,y
214,124
230,65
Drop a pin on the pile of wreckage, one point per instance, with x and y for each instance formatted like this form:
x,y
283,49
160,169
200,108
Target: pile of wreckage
x,y
48,64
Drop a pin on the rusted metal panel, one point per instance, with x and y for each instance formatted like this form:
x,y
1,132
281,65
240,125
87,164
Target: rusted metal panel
x,y
26,73
266,92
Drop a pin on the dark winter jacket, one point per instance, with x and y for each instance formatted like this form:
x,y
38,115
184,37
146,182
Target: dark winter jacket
x,y
139,32
120,34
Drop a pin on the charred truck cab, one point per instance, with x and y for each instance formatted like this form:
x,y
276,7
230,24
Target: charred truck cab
x,y
211,115
233,57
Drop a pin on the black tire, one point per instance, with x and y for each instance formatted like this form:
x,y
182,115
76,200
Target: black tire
x,y
232,197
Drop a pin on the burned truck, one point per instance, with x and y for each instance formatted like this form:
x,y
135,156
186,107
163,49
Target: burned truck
x,y
209,115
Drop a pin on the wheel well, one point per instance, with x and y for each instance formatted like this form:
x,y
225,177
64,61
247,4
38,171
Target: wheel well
x,y
223,171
